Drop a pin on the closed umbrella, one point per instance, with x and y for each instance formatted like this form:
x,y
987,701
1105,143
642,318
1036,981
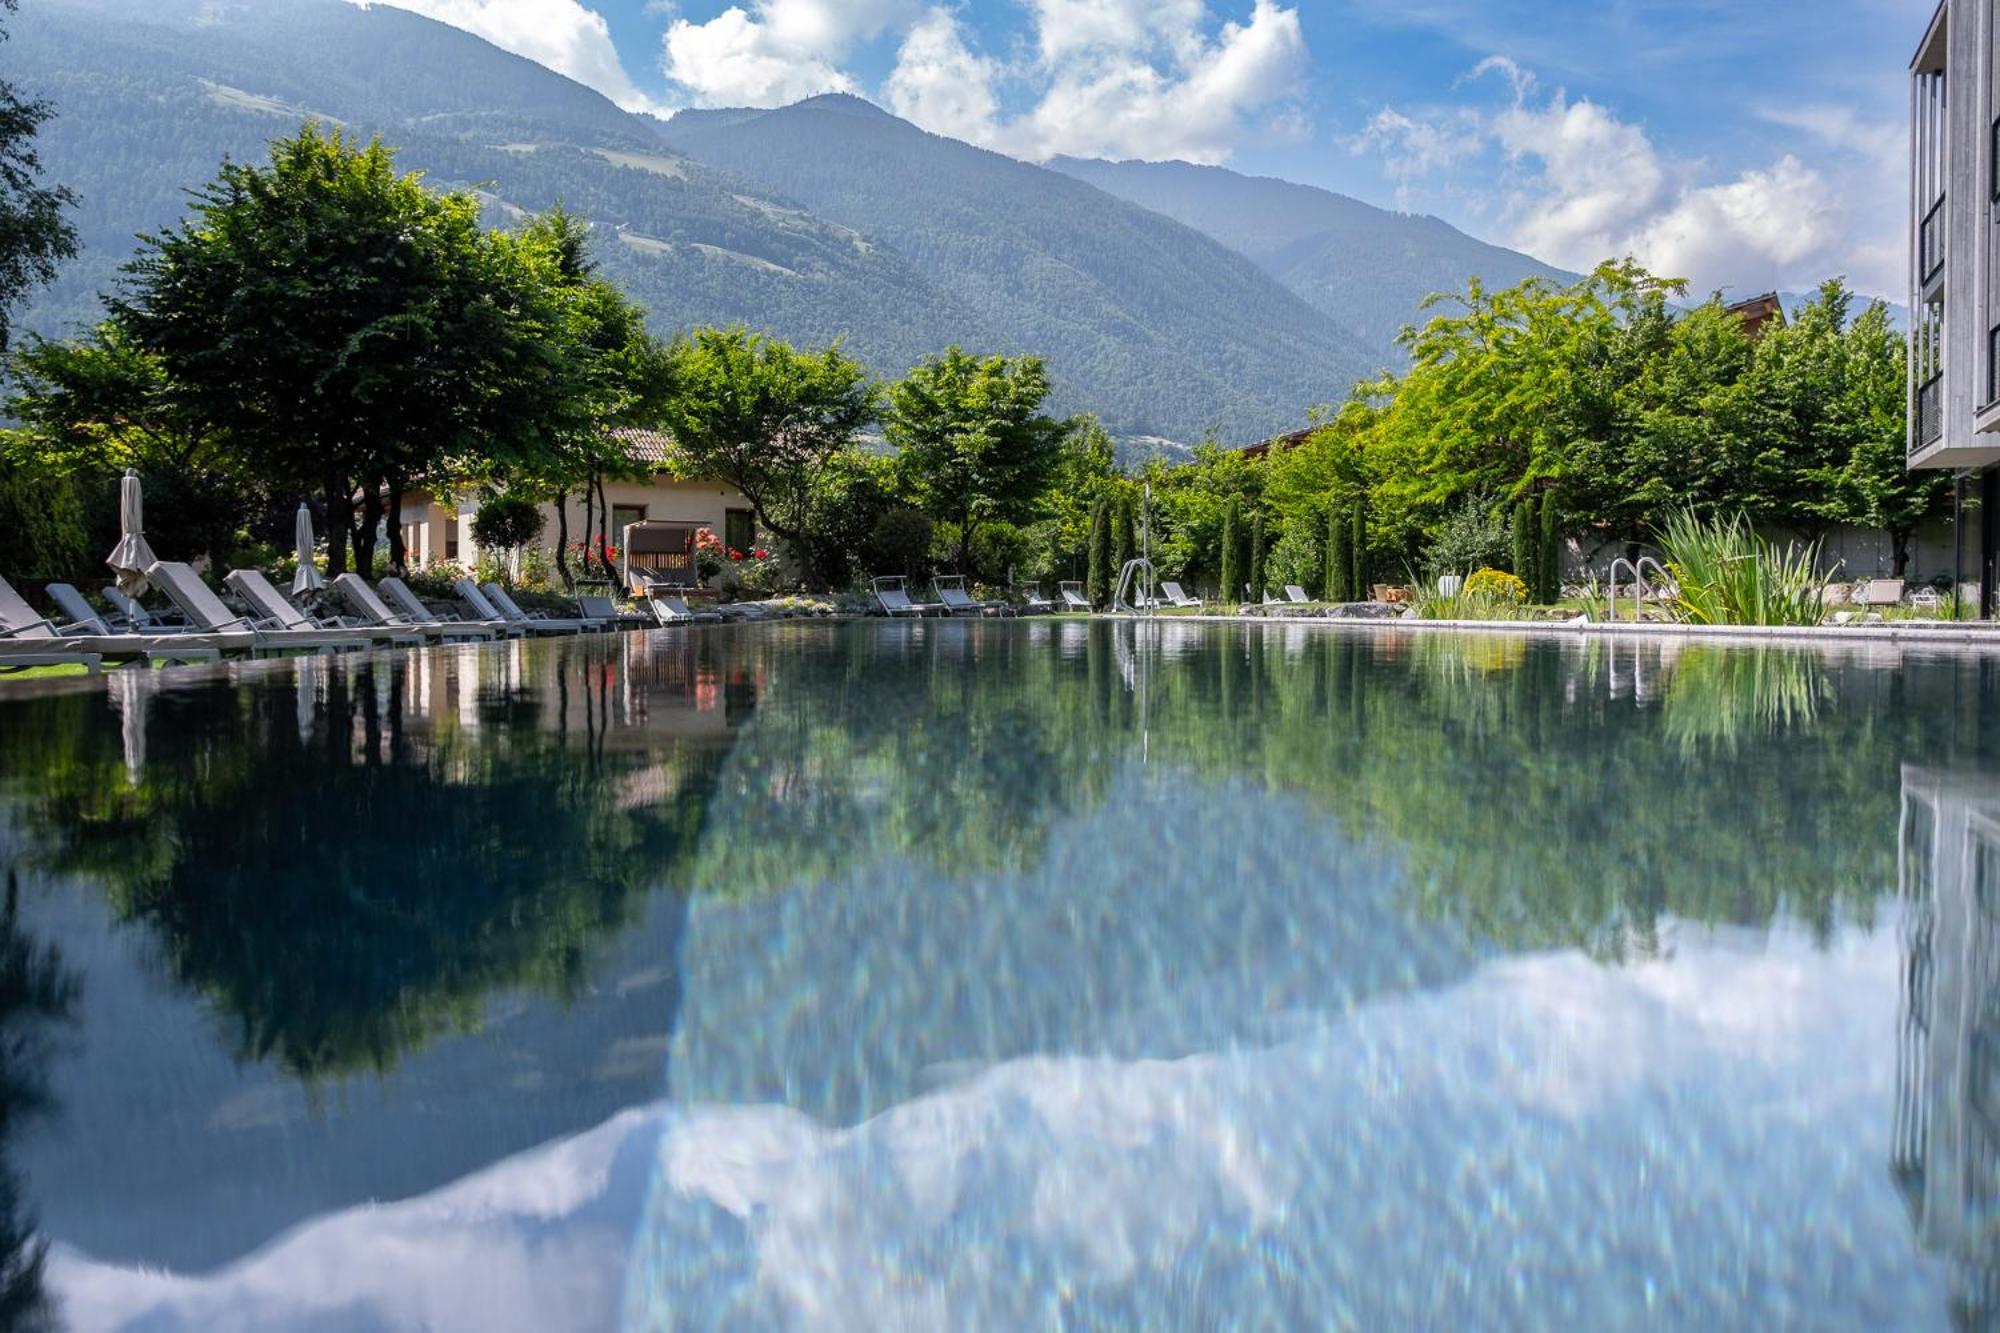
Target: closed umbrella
x,y
132,557
308,579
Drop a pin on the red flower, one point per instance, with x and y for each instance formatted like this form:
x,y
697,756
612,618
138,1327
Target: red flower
x,y
735,554
761,553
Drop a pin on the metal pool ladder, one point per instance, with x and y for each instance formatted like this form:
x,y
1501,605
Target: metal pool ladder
x,y
1641,589
1121,600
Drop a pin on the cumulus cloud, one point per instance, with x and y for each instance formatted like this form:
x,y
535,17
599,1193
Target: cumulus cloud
x,y
775,51
1116,78
564,35
1580,184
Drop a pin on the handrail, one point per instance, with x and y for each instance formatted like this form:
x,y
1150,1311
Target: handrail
x,y
1641,590
1119,601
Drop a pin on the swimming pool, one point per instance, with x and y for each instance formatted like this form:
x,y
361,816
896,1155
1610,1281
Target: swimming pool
x,y
1005,975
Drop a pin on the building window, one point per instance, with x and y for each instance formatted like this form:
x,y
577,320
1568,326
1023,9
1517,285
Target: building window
x,y
739,530
451,539
622,516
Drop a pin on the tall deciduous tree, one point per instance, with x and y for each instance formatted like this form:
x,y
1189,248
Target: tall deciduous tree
x,y
337,324
35,234
766,418
973,444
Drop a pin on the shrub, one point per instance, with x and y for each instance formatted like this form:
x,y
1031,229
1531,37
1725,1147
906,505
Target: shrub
x,y
999,551
506,521
1728,575
900,542
1472,536
1496,585
1295,557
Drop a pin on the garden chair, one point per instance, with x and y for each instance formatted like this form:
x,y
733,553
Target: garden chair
x,y
951,593
1177,597
672,609
1072,596
894,598
27,639
1038,605
535,622
83,617
138,619
274,610
363,601
207,613
412,608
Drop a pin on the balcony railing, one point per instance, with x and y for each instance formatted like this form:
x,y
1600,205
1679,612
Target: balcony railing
x,y
1930,243
1930,414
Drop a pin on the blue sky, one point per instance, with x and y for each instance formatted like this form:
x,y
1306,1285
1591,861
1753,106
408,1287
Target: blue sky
x,y
1739,145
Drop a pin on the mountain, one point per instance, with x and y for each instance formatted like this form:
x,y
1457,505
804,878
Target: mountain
x,y
151,94
1192,336
1153,326
1366,267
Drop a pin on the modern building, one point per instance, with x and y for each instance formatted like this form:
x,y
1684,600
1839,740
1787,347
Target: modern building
x,y
1954,362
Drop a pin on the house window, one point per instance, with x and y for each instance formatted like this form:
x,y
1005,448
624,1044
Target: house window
x,y
451,539
622,516
739,529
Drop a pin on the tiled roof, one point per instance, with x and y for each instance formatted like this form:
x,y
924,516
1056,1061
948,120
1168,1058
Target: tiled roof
x,y
645,446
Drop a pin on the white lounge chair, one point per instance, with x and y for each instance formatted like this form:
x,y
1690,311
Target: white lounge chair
x,y
83,617
599,608
672,609
138,619
25,634
1176,597
412,608
1072,596
363,601
274,610
892,595
537,622
209,615
1297,595
951,594
1038,605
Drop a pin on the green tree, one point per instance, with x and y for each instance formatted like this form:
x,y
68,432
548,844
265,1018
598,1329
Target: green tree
x,y
1233,572
1522,535
972,443
1097,586
766,418
1339,586
35,234
1548,551
506,521
335,324
1124,534
1362,571
1256,565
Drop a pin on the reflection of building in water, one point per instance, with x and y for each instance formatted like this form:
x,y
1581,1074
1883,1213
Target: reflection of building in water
x,y
1946,1146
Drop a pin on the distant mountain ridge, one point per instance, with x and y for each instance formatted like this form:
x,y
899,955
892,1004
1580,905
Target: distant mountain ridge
x,y
1366,267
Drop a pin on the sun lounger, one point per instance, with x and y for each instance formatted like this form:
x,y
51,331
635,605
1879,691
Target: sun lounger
x,y
25,633
669,609
599,608
894,598
83,617
1073,598
138,619
537,622
1038,605
363,601
274,610
19,657
951,593
1297,595
1175,597
413,609
207,613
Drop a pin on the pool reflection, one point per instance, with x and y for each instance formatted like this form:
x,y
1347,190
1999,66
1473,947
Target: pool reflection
x,y
973,974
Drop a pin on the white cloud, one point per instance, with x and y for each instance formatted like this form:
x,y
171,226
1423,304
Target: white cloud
x,y
939,83
776,51
564,35
1580,185
1115,78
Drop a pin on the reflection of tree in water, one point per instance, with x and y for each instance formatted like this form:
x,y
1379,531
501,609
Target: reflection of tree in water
x,y
1541,795
351,876
1946,1142
37,993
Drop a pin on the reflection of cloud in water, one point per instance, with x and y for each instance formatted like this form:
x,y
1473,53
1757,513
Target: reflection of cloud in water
x,y
1550,1142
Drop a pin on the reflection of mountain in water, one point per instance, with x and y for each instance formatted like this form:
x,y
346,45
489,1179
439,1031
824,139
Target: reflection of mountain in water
x,y
1947,1136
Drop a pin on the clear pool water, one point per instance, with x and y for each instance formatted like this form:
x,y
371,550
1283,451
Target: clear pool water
x,y
998,976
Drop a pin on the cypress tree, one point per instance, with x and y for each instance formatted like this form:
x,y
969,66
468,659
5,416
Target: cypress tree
x,y
1523,532
1549,570
1122,548
1097,586
1257,558
1339,556
1232,550
1362,591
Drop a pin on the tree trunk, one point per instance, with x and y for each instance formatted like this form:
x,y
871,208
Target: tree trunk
x,y
364,532
339,519
603,534
562,541
398,555
1899,543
